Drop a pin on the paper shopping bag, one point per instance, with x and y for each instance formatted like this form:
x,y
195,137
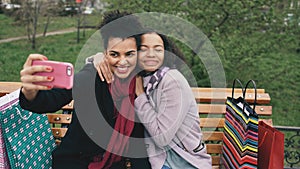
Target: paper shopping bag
x,y
240,141
270,147
28,138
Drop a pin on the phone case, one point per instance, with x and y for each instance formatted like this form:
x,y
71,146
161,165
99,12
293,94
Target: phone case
x,y
62,72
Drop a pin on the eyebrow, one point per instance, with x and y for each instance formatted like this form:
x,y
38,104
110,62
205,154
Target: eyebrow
x,y
113,51
154,46
131,51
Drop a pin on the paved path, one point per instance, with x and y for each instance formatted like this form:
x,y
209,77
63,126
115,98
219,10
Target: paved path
x,y
39,35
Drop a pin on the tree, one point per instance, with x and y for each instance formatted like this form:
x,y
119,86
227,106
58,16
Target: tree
x,y
242,32
28,15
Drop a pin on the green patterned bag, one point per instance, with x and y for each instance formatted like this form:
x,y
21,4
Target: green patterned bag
x,y
28,138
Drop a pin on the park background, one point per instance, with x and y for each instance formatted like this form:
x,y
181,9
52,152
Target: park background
x,y
257,40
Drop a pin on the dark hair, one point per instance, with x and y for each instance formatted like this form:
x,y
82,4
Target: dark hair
x,y
121,25
172,52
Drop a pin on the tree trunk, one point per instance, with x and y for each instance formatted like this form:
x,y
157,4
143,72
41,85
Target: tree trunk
x,y
46,26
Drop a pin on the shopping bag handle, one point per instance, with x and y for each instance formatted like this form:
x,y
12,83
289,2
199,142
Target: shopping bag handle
x,y
233,87
23,117
255,93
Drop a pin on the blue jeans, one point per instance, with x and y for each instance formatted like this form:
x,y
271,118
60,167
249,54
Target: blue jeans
x,y
165,167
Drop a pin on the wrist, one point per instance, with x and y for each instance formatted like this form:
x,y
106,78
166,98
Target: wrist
x,y
29,94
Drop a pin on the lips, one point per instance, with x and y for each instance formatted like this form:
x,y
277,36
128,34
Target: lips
x,y
150,62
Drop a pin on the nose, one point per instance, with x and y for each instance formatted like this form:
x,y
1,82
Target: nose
x,y
123,61
151,53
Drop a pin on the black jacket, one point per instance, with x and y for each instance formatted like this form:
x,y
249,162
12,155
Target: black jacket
x,y
77,150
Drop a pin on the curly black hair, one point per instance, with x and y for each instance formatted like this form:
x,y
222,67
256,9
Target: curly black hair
x,y
120,24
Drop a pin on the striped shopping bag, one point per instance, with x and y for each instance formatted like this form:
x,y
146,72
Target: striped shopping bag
x,y
240,141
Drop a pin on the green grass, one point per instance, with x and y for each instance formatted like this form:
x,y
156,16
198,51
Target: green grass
x,y
10,28
61,48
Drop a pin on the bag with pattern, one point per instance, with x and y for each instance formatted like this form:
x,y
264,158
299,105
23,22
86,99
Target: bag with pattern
x,y
240,141
28,138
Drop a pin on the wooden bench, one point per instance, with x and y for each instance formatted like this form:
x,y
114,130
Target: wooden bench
x,y
211,105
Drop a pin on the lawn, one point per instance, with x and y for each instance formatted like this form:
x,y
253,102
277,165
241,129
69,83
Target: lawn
x,y
9,28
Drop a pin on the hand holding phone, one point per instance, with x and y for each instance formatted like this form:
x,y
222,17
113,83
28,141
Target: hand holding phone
x,y
62,72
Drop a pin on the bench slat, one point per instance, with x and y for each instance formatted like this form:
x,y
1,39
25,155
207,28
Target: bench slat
x,y
59,132
221,109
227,90
59,118
212,122
216,160
68,106
214,148
262,98
8,87
212,135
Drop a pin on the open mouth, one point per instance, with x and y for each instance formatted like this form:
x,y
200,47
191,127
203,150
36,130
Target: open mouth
x,y
122,69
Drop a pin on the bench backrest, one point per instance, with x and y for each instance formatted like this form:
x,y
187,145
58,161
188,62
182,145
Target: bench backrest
x,y
211,106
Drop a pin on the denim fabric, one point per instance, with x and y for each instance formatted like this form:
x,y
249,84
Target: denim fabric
x,y
165,167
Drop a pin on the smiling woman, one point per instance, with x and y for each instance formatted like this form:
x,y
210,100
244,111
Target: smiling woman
x,y
166,107
121,55
81,148
151,53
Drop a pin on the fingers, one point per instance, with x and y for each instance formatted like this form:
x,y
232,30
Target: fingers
x,y
28,77
30,70
97,59
102,66
33,87
106,71
32,57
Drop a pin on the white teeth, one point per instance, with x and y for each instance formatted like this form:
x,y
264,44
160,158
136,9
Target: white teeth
x,y
122,69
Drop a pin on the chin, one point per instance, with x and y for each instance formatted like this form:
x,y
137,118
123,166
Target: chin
x,y
122,75
152,69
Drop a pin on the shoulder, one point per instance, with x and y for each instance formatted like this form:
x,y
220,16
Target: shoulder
x,y
173,75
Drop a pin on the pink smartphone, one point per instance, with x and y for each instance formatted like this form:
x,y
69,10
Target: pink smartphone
x,y
63,73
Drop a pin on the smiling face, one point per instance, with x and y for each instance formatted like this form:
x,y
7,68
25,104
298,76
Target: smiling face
x,y
122,56
151,53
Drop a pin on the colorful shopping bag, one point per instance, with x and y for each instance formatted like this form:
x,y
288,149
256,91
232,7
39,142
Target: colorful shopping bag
x,y
240,141
28,137
270,147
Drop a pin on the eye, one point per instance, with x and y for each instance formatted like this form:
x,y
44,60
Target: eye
x,y
159,49
113,54
143,49
131,54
